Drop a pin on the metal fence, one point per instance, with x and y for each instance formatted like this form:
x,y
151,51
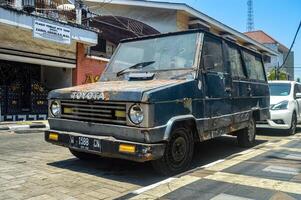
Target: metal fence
x,y
45,8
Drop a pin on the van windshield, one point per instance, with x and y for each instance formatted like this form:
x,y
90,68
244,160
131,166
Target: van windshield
x,y
170,53
280,89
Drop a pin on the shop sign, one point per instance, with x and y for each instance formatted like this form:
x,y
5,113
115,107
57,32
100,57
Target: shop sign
x,y
52,32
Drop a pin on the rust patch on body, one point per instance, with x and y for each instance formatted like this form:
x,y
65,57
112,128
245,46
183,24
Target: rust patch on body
x,y
106,96
117,86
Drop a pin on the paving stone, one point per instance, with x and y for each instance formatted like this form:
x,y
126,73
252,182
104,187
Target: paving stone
x,y
258,170
223,196
42,197
281,196
202,173
45,171
98,195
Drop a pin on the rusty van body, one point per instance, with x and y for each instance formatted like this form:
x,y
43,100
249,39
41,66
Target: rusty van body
x,y
158,96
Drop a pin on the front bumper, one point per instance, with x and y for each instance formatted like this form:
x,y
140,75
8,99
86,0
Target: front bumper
x,y
108,146
280,119
135,134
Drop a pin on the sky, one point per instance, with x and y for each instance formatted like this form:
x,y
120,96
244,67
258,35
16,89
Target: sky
x,y
278,18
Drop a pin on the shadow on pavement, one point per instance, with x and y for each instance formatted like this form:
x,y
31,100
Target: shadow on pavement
x,y
275,132
142,173
219,148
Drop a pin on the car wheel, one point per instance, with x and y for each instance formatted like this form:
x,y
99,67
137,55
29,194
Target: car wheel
x,y
82,155
246,137
178,153
292,130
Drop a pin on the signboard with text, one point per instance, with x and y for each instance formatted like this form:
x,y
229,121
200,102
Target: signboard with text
x,y
52,32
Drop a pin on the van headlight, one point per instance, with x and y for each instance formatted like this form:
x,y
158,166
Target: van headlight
x,y
136,114
283,105
55,108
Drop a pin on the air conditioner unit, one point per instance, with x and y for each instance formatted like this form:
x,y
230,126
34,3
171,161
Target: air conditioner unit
x,y
28,5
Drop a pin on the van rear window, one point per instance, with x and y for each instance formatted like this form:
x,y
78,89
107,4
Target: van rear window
x,y
254,66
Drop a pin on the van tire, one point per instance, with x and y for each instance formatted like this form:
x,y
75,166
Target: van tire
x,y
82,155
178,153
292,130
246,137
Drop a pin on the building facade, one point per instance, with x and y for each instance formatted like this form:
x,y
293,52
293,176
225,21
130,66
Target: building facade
x,y
38,54
43,50
276,60
120,19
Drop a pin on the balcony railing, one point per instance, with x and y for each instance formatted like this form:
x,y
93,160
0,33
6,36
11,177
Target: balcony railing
x,y
49,10
45,8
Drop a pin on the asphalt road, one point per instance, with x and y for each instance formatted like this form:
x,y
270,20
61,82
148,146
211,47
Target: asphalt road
x,y
33,169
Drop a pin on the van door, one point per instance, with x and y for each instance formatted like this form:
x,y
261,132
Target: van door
x,y
240,84
217,83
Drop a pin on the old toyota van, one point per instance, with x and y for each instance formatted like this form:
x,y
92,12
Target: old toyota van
x,y
161,94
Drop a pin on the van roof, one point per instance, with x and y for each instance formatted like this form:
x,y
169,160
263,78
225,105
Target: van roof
x,y
180,33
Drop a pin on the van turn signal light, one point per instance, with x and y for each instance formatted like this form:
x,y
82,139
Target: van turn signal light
x,y
127,148
53,136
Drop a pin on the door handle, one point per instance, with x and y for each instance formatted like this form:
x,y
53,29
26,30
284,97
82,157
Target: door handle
x,y
227,89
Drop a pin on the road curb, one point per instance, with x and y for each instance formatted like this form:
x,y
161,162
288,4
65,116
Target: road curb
x,y
15,127
37,126
4,128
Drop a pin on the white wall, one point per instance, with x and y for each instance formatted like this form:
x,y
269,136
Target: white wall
x,y
162,20
274,59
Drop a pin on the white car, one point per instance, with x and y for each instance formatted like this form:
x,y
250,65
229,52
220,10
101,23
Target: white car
x,y
285,106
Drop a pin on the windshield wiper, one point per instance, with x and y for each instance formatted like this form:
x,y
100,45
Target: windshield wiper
x,y
136,66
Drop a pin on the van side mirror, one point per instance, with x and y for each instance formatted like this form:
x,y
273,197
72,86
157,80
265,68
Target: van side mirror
x,y
298,95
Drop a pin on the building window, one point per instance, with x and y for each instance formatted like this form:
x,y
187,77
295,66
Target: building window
x,y
103,49
267,59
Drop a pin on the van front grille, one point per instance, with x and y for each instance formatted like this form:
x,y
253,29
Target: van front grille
x,y
94,111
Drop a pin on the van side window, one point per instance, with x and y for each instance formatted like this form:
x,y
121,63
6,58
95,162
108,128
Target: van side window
x,y
254,66
212,55
235,62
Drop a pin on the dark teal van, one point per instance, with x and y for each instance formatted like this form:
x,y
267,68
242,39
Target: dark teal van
x,y
161,94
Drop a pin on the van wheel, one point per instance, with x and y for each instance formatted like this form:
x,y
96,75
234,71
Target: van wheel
x,y
292,130
246,137
82,155
178,153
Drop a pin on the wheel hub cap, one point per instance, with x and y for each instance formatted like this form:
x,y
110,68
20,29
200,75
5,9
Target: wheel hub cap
x,y
179,149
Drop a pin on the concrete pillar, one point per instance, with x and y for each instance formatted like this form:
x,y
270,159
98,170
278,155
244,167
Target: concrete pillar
x,y
78,11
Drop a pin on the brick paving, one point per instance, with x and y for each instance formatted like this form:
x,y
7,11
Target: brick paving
x,y
33,169
269,171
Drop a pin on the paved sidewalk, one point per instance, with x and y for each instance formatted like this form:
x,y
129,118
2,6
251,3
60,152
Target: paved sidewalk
x,y
31,169
269,171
